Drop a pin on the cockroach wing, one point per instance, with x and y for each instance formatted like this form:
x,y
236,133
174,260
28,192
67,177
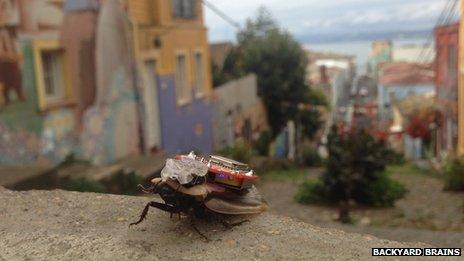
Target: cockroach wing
x,y
247,203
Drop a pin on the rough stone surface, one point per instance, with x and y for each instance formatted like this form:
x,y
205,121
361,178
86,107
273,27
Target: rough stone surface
x,y
59,225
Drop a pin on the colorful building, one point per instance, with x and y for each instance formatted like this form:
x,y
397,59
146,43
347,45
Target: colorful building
x,y
446,82
37,116
411,53
381,52
405,91
332,74
171,48
84,77
400,80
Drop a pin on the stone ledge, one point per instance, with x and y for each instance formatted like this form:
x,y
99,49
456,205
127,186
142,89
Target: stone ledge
x,y
61,225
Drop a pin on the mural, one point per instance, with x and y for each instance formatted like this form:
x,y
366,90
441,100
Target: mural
x,y
58,137
111,129
101,116
18,146
26,135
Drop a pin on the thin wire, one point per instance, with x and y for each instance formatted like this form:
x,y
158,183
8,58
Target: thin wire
x,y
440,18
450,14
221,14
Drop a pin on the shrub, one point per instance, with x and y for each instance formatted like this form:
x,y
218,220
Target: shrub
x,y
454,174
124,182
393,157
72,159
310,157
263,165
311,192
262,144
355,171
83,184
240,152
382,192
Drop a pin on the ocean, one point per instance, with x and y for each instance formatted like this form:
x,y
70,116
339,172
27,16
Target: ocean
x,y
359,49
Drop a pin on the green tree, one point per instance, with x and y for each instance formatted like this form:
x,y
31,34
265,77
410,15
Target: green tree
x,y
355,171
280,63
218,75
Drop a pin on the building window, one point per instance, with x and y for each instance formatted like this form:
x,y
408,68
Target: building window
x,y
53,75
182,89
183,8
53,85
199,74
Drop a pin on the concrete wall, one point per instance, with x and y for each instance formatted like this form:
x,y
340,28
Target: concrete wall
x,y
235,104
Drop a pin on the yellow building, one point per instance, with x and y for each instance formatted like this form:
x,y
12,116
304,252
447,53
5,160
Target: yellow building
x,y
171,49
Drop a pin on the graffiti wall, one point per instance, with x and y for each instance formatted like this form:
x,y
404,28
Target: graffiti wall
x,y
111,129
26,134
68,86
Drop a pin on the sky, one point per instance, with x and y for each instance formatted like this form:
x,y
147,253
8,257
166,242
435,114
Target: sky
x,y
307,19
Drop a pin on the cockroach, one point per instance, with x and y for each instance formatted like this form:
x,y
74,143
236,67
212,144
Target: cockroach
x,y
206,199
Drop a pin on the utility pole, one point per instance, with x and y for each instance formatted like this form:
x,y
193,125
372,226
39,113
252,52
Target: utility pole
x,y
461,82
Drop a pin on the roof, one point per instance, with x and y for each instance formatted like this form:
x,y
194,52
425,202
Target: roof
x,y
403,73
219,52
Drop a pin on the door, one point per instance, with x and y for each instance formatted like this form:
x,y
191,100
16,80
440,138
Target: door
x,y
151,106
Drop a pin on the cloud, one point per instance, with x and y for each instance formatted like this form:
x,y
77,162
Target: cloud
x,y
317,16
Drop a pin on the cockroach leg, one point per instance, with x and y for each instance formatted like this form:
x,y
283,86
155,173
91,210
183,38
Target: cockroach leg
x,y
192,223
157,205
229,225
146,190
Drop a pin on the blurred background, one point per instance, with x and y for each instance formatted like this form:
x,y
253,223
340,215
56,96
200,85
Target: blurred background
x,y
350,111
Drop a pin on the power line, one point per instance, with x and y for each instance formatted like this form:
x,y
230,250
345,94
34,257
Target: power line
x,y
450,14
221,14
440,19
